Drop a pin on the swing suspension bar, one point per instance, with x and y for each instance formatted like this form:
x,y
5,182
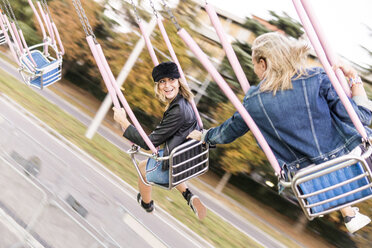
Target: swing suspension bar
x,y
4,26
304,12
10,13
46,9
18,32
328,50
231,56
173,55
172,17
149,46
202,57
108,77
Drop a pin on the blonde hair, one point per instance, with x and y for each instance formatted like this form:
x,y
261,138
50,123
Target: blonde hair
x,y
184,90
284,59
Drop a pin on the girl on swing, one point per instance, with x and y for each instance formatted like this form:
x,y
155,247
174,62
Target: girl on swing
x,y
298,112
178,121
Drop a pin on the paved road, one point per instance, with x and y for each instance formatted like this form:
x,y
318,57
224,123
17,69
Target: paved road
x,y
240,223
113,218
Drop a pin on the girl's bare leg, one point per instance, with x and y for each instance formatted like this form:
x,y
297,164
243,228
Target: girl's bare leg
x,y
144,190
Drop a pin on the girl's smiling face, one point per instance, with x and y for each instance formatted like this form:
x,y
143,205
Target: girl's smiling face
x,y
169,87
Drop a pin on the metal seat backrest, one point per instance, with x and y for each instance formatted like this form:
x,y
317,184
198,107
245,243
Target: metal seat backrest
x,y
2,38
186,161
332,185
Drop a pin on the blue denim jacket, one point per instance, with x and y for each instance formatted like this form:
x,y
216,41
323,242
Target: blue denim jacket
x,y
305,125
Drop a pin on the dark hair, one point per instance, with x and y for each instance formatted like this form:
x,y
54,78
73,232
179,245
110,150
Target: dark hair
x,y
165,69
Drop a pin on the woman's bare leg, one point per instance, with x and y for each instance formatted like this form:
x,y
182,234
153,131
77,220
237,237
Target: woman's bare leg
x,y
347,211
181,187
354,220
144,190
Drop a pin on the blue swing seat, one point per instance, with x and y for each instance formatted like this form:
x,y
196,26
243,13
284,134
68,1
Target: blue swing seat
x,y
45,73
333,185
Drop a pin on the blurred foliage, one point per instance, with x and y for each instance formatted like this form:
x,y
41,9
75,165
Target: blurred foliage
x,y
286,23
213,228
139,84
243,155
254,26
369,69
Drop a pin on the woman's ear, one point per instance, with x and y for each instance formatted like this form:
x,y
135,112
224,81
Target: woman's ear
x,y
262,64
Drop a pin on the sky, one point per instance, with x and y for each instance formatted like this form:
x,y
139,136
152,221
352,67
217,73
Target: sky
x,y
343,21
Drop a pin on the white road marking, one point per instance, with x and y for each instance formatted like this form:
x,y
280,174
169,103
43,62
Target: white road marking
x,y
83,156
142,231
18,230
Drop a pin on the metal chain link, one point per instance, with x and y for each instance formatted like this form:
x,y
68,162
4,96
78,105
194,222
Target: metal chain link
x,y
43,6
135,11
172,17
9,11
80,17
84,19
153,9
46,9
13,16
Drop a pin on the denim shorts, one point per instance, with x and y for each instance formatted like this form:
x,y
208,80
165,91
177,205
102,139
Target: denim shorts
x,y
154,172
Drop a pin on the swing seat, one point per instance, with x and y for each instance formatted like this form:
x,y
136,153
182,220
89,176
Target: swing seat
x,y
45,73
2,38
186,161
333,185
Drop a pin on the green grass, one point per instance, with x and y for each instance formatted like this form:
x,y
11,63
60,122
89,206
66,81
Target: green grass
x,y
212,228
7,59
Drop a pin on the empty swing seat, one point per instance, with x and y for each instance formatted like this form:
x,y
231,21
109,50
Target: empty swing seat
x,y
333,185
45,73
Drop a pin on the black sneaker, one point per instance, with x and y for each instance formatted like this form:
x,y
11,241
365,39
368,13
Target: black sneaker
x,y
149,207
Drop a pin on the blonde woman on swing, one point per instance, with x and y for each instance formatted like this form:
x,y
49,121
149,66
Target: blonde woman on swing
x,y
298,112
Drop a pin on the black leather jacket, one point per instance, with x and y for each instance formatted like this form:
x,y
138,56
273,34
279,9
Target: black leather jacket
x,y
178,121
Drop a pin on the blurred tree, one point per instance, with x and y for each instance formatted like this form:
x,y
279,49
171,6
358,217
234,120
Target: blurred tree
x,y
243,154
240,156
243,51
369,69
254,26
139,84
285,23
290,26
24,16
79,65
